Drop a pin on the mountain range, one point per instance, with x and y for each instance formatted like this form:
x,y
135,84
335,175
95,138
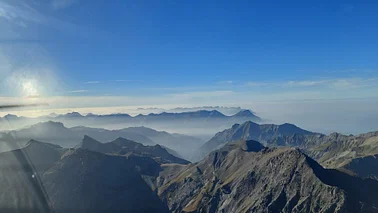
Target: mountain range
x,y
244,176
241,176
202,123
207,114
122,146
86,181
63,136
245,168
55,132
43,177
268,134
352,154
200,114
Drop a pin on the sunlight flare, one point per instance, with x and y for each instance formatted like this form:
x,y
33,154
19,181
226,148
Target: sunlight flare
x,y
29,89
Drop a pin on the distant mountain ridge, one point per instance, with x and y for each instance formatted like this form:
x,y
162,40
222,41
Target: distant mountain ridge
x,y
183,144
122,146
351,154
177,115
244,113
268,134
57,133
200,123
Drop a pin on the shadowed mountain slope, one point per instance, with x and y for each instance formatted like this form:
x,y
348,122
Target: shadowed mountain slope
x,y
86,181
245,177
365,167
122,146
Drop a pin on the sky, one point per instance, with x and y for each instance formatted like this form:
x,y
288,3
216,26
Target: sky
x,y
99,55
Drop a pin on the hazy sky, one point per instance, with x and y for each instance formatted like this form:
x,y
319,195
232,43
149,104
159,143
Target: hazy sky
x,y
99,53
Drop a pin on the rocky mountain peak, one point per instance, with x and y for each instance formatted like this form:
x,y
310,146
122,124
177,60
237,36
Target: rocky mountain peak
x,y
244,113
10,117
251,146
245,145
88,143
272,180
37,144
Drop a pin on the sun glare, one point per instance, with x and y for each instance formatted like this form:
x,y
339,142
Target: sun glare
x,y
29,89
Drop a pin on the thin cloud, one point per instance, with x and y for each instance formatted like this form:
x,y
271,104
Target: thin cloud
x,y
77,91
24,13
205,94
352,83
118,80
358,71
336,83
62,4
6,12
306,83
124,80
16,13
225,82
257,84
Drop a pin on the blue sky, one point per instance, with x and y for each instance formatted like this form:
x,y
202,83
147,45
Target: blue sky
x,y
98,53
185,43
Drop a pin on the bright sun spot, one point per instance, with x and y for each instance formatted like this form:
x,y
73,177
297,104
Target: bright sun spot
x,y
29,89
